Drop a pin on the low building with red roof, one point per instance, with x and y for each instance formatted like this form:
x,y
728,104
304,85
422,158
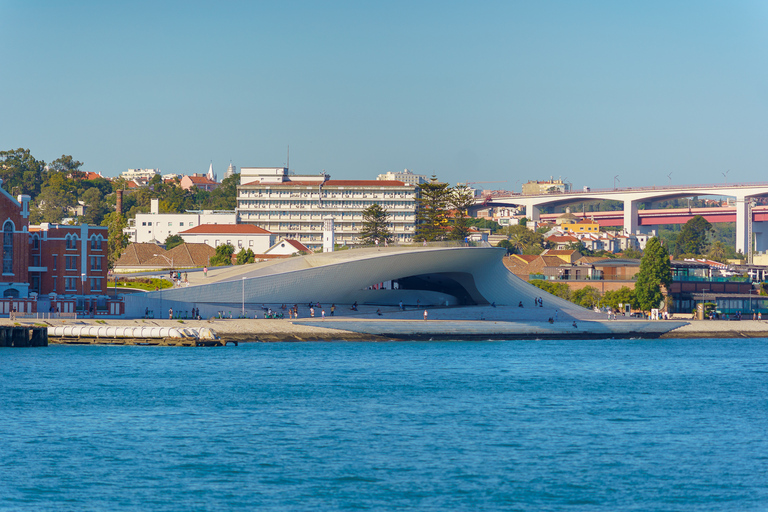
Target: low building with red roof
x,y
239,236
200,181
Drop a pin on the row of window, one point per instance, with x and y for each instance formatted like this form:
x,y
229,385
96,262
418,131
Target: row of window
x,y
70,262
70,284
181,224
96,241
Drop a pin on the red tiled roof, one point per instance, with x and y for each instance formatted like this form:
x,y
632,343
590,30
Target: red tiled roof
x,y
556,238
298,245
233,229
201,179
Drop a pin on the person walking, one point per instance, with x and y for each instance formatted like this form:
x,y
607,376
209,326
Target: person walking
x,y
322,313
205,271
425,315
333,309
170,314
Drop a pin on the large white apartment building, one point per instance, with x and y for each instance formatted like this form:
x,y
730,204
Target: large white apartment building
x,y
156,226
292,206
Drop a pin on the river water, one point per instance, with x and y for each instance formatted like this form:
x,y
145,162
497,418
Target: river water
x,y
508,425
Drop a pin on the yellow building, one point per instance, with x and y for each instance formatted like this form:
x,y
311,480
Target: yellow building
x,y
582,226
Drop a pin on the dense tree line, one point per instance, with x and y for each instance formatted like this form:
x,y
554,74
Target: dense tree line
x,y
59,187
60,190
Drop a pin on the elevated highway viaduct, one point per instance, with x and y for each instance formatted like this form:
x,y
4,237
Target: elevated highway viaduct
x,y
743,193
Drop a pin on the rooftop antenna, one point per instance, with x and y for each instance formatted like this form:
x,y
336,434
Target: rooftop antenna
x,y
288,158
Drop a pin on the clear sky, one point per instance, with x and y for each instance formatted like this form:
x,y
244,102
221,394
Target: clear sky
x,y
471,91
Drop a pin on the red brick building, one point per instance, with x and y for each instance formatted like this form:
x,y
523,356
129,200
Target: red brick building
x,y
14,222
51,265
72,260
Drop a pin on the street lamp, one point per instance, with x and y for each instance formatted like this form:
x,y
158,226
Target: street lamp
x,y
166,259
615,179
725,175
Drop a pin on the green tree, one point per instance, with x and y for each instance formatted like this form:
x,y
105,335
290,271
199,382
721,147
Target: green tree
x,y
507,245
21,172
654,272
624,295
431,211
95,209
117,240
587,297
461,198
223,255
375,219
561,290
245,256
632,253
224,197
718,251
68,166
525,241
693,237
172,241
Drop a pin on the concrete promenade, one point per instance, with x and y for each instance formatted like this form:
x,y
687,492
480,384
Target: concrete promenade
x,y
473,323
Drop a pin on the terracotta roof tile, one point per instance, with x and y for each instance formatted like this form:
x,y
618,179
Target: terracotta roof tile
x,y
233,229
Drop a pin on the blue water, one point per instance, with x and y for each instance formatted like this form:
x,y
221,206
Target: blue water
x,y
515,425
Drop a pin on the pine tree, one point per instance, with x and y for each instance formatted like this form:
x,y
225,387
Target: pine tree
x,y
461,198
431,213
693,236
375,219
654,271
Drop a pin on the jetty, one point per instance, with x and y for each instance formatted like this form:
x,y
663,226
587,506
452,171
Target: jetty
x,y
23,336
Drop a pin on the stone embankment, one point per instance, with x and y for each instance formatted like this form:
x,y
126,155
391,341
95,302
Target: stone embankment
x,y
483,323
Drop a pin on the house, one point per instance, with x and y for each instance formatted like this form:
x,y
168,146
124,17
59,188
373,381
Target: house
x,y
198,180
287,247
239,236
581,226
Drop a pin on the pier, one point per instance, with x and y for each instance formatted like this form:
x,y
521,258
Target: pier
x,y
23,336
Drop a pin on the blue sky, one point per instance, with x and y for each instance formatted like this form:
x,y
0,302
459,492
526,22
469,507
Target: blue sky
x,y
470,91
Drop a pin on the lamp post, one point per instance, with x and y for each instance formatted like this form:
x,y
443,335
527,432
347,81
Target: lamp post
x,y
615,179
166,259
243,312
725,175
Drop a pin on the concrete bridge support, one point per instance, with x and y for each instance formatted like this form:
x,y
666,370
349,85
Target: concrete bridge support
x,y
742,237
631,220
532,212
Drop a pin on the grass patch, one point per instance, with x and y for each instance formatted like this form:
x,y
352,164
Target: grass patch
x,y
141,283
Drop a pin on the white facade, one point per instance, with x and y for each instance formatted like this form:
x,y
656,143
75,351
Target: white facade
x,y
133,174
238,236
148,227
406,177
294,207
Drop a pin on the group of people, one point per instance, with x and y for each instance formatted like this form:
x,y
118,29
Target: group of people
x,y
175,276
195,314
